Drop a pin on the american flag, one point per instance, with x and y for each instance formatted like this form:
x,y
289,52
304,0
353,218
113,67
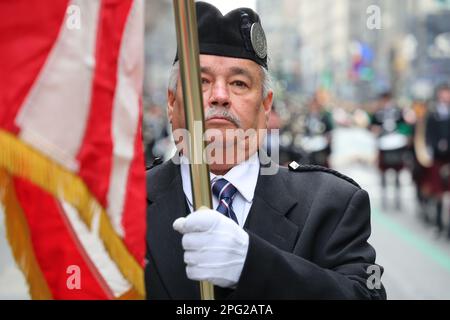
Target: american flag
x,y
72,177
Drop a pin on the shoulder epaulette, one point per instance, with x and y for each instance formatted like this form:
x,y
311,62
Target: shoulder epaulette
x,y
294,166
156,162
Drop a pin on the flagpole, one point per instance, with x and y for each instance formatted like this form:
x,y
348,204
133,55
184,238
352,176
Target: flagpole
x,y
187,37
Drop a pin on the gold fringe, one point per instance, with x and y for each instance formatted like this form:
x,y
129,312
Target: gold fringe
x,y
18,235
130,295
22,160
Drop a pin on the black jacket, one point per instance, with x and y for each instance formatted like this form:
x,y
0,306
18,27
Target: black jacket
x,y
438,136
308,239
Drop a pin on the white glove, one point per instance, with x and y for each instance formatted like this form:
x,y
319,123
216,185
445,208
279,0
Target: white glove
x,y
215,247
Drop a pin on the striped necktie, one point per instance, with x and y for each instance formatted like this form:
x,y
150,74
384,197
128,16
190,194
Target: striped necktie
x,y
224,191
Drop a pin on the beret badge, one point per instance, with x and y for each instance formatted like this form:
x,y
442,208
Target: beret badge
x,y
258,40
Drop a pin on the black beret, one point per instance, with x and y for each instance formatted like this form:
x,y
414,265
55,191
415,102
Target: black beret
x,y
238,34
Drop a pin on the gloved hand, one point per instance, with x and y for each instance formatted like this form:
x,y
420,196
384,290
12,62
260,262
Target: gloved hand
x,y
215,247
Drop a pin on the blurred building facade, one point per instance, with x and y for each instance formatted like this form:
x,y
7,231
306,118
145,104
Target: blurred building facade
x,y
160,49
283,41
342,47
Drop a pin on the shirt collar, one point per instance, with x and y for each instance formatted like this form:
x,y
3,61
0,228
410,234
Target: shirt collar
x,y
243,177
443,110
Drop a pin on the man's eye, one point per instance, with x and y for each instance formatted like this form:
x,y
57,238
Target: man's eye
x,y
240,84
205,81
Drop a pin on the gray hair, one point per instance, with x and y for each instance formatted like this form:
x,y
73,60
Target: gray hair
x,y
173,79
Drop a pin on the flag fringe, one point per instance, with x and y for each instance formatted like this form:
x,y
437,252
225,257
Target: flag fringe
x,y
19,159
18,236
131,294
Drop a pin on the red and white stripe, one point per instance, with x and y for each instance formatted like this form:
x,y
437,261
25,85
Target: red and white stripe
x,y
80,105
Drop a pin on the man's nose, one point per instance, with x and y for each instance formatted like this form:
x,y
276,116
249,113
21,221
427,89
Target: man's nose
x,y
219,96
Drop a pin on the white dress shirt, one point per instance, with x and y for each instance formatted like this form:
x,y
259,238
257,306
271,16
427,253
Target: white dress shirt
x,y
243,177
443,111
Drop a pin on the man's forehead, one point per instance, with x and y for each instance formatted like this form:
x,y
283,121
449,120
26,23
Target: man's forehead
x,y
213,63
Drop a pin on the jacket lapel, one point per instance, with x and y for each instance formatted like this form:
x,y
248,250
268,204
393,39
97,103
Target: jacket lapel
x,y
271,202
164,242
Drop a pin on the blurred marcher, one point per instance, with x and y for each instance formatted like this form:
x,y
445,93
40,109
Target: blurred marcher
x,y
291,139
418,166
154,131
388,124
317,135
438,141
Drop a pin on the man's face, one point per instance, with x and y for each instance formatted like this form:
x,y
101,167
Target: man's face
x,y
231,86
232,95
444,96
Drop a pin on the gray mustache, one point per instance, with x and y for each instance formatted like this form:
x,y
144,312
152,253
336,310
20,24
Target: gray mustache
x,y
224,113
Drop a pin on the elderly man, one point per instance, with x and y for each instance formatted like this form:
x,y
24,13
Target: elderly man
x,y
297,233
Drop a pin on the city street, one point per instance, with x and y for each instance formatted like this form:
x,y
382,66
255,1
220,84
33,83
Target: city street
x,y
416,261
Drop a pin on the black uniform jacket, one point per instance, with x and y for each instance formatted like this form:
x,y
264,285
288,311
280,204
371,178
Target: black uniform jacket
x,y
438,136
308,234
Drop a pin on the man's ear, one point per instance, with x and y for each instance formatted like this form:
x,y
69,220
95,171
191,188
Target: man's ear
x,y
170,104
267,104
